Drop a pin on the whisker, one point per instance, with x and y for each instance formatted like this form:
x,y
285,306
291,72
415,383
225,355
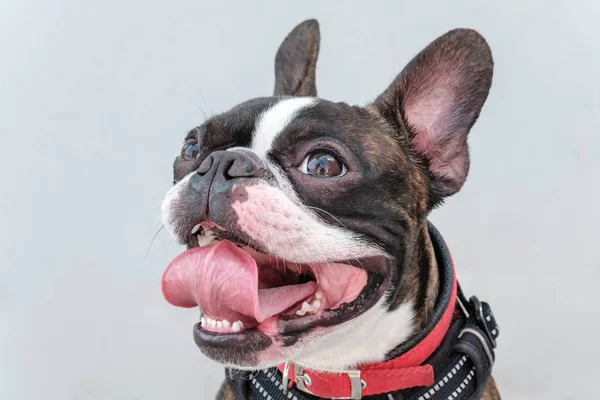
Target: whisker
x,y
150,245
359,263
328,213
207,105
330,267
201,110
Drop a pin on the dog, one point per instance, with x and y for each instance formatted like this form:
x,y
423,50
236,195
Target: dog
x,y
309,250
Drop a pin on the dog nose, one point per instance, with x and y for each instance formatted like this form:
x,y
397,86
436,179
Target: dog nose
x,y
231,165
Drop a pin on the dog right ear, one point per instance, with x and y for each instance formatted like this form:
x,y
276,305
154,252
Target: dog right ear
x,y
296,61
437,98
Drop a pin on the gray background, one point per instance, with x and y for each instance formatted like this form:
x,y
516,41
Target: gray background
x,y
95,99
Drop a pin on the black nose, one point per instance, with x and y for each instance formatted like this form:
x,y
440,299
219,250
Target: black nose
x,y
220,182
230,165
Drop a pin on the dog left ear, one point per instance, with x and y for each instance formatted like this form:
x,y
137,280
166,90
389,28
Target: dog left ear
x,y
437,98
296,61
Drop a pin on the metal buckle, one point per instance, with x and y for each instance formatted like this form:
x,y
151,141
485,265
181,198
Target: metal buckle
x,y
303,380
480,318
356,384
284,379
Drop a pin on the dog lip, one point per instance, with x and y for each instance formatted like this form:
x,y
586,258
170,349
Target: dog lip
x,y
200,228
250,338
210,228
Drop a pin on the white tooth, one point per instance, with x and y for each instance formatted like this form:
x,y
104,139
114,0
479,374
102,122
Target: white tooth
x,y
226,324
315,305
309,308
219,324
212,323
237,326
202,321
205,240
195,228
319,294
305,308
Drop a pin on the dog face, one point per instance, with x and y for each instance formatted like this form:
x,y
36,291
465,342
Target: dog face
x,y
302,216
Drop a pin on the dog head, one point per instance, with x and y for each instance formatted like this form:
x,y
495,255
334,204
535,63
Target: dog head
x,y
302,216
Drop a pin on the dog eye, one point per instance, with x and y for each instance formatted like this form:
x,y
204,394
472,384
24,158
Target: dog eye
x,y
190,149
322,164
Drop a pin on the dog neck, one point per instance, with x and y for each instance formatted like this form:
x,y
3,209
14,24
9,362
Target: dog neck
x,y
371,336
421,280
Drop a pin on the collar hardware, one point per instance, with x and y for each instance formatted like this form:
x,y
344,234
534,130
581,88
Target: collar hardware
x,y
485,319
303,381
356,384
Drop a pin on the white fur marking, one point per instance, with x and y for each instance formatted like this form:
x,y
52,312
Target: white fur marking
x,y
274,120
284,229
366,338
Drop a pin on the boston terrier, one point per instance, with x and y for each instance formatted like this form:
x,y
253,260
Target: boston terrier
x,y
310,254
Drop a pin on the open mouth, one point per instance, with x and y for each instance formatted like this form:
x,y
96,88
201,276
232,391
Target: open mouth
x,y
241,290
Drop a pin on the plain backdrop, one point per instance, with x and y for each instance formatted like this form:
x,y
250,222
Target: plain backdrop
x,y
95,98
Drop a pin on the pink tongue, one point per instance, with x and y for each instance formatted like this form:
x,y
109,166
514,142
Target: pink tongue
x,y
223,280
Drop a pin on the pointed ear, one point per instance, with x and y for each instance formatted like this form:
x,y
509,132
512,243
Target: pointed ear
x,y
437,99
296,61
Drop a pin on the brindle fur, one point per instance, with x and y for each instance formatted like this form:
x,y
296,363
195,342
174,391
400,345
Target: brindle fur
x,y
225,392
423,190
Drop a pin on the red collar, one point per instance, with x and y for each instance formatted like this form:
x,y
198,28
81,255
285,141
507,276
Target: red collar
x,y
402,372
